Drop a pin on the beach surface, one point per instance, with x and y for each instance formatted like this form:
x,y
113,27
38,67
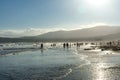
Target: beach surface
x,y
60,64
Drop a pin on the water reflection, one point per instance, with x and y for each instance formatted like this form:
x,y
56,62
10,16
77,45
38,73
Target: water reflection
x,y
100,73
42,52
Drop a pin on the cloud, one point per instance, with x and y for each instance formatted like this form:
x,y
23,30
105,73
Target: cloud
x,y
20,33
38,31
25,32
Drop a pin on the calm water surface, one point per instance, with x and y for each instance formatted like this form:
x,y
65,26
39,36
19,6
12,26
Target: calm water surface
x,y
59,64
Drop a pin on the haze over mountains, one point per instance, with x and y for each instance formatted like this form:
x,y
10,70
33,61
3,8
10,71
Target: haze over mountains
x,y
94,33
98,31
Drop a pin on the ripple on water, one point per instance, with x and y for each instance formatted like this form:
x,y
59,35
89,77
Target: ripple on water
x,y
37,73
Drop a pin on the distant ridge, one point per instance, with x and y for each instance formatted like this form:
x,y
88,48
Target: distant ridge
x,y
86,34
81,33
115,36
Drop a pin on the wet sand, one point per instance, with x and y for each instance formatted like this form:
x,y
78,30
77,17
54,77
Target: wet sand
x,y
100,66
60,64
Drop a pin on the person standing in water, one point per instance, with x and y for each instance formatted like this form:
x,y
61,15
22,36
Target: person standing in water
x,y
64,45
41,46
67,45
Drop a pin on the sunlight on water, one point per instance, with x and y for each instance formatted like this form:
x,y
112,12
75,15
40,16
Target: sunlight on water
x,y
60,64
100,72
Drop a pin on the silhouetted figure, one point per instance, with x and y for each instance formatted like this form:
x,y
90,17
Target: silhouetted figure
x,y
54,45
64,45
74,44
51,45
67,45
110,43
41,46
77,44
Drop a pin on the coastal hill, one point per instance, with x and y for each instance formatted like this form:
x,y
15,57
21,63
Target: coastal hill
x,y
115,36
86,34
93,32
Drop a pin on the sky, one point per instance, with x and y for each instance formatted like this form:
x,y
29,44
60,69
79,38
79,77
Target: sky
x,y
33,17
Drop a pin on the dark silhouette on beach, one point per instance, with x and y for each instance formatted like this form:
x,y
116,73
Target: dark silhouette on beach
x,y
41,46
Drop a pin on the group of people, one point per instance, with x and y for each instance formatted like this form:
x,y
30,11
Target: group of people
x,y
66,45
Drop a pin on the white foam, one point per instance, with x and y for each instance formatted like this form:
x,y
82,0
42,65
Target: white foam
x,y
65,75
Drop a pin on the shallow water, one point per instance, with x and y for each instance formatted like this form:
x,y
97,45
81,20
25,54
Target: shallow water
x,y
59,64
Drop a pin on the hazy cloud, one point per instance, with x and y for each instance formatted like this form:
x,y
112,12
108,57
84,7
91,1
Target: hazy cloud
x,y
38,31
19,33
24,32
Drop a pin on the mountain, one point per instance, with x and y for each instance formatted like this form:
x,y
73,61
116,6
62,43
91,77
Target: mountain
x,y
115,36
94,33
86,33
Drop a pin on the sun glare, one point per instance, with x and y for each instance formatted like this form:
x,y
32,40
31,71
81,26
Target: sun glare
x,y
97,3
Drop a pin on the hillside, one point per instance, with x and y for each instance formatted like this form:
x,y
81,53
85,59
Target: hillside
x,y
81,33
94,33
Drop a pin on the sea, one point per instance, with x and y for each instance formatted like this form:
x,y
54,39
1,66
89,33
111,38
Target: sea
x,y
58,63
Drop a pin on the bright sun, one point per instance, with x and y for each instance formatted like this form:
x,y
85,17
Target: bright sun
x,y
97,3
